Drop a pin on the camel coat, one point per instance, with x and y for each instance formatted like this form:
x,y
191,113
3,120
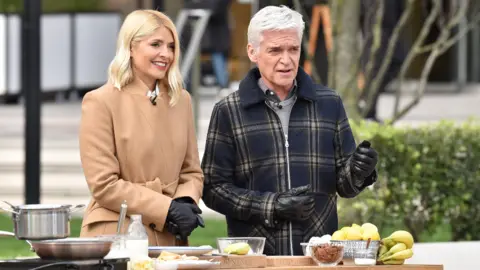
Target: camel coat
x,y
132,150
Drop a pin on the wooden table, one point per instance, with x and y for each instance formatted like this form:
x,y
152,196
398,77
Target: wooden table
x,y
259,262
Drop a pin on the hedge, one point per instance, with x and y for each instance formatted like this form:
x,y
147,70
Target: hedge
x,y
429,177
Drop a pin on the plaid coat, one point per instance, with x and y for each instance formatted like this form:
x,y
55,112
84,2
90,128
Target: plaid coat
x,y
245,162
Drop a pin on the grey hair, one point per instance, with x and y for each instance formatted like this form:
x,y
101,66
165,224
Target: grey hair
x,y
274,18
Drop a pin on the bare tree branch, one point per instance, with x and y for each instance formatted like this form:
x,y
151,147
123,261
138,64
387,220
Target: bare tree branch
x,y
336,6
373,88
437,50
447,44
377,38
412,53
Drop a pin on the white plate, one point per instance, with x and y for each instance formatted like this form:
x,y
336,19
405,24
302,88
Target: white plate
x,y
187,264
189,251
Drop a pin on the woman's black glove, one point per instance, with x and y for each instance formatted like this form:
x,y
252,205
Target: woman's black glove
x,y
182,219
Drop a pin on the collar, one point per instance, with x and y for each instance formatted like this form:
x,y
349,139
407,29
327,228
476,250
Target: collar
x,y
273,96
250,92
138,87
156,91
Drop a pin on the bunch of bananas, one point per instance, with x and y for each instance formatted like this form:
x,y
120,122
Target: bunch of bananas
x,y
396,248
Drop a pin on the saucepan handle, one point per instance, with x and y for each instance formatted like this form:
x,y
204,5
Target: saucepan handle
x,y
9,210
11,205
77,208
7,234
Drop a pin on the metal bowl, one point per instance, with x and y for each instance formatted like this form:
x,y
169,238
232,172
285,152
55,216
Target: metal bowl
x,y
351,245
72,248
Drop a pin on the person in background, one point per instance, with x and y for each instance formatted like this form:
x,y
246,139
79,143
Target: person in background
x,y
280,148
320,38
137,137
216,39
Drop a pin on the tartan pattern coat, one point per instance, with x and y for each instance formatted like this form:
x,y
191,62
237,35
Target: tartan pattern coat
x,y
245,162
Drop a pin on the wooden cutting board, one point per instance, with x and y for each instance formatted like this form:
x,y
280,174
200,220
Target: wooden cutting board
x,y
237,261
274,261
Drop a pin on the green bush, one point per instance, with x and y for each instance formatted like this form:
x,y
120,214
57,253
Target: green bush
x,y
429,178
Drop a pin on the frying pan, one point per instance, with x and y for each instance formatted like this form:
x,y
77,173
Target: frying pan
x,y
69,248
72,248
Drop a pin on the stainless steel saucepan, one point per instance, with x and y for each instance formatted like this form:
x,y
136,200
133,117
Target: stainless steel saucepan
x,y
41,221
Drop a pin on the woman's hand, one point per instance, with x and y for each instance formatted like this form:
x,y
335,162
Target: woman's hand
x,y
184,217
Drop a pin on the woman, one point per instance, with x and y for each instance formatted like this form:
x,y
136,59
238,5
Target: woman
x,y
137,137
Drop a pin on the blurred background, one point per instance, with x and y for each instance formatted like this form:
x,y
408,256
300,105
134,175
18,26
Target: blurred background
x,y
407,70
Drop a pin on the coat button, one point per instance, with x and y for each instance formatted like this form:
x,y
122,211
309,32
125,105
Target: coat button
x,y
152,226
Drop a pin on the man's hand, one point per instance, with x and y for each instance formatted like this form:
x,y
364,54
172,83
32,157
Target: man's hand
x,y
295,204
364,160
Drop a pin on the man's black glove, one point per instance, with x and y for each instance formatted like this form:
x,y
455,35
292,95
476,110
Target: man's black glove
x,y
182,219
363,160
296,204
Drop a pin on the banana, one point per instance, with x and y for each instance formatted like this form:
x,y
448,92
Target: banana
x,y
402,255
237,249
401,237
394,262
383,249
397,248
388,242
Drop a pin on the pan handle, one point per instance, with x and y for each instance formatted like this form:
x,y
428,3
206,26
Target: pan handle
x,y
11,205
77,208
31,246
5,233
11,234
9,210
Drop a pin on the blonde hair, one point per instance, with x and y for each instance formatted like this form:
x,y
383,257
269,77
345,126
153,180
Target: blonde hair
x,y
136,26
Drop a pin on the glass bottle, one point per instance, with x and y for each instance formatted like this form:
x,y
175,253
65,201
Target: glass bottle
x,y
137,238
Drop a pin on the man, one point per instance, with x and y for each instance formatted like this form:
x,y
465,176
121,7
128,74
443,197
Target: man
x,y
280,148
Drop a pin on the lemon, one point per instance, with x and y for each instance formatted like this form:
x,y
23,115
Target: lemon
x,y
354,234
339,235
354,225
369,226
372,234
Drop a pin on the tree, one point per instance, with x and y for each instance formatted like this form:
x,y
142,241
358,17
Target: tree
x,y
453,23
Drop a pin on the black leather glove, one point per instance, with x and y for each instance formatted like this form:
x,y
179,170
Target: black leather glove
x,y
296,204
182,219
189,200
363,160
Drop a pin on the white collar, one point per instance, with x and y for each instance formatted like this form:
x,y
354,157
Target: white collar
x,y
157,91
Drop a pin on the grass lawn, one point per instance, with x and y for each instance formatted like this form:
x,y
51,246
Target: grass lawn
x,y
11,247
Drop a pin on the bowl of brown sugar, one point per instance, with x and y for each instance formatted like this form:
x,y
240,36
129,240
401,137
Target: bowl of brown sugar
x,y
326,254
